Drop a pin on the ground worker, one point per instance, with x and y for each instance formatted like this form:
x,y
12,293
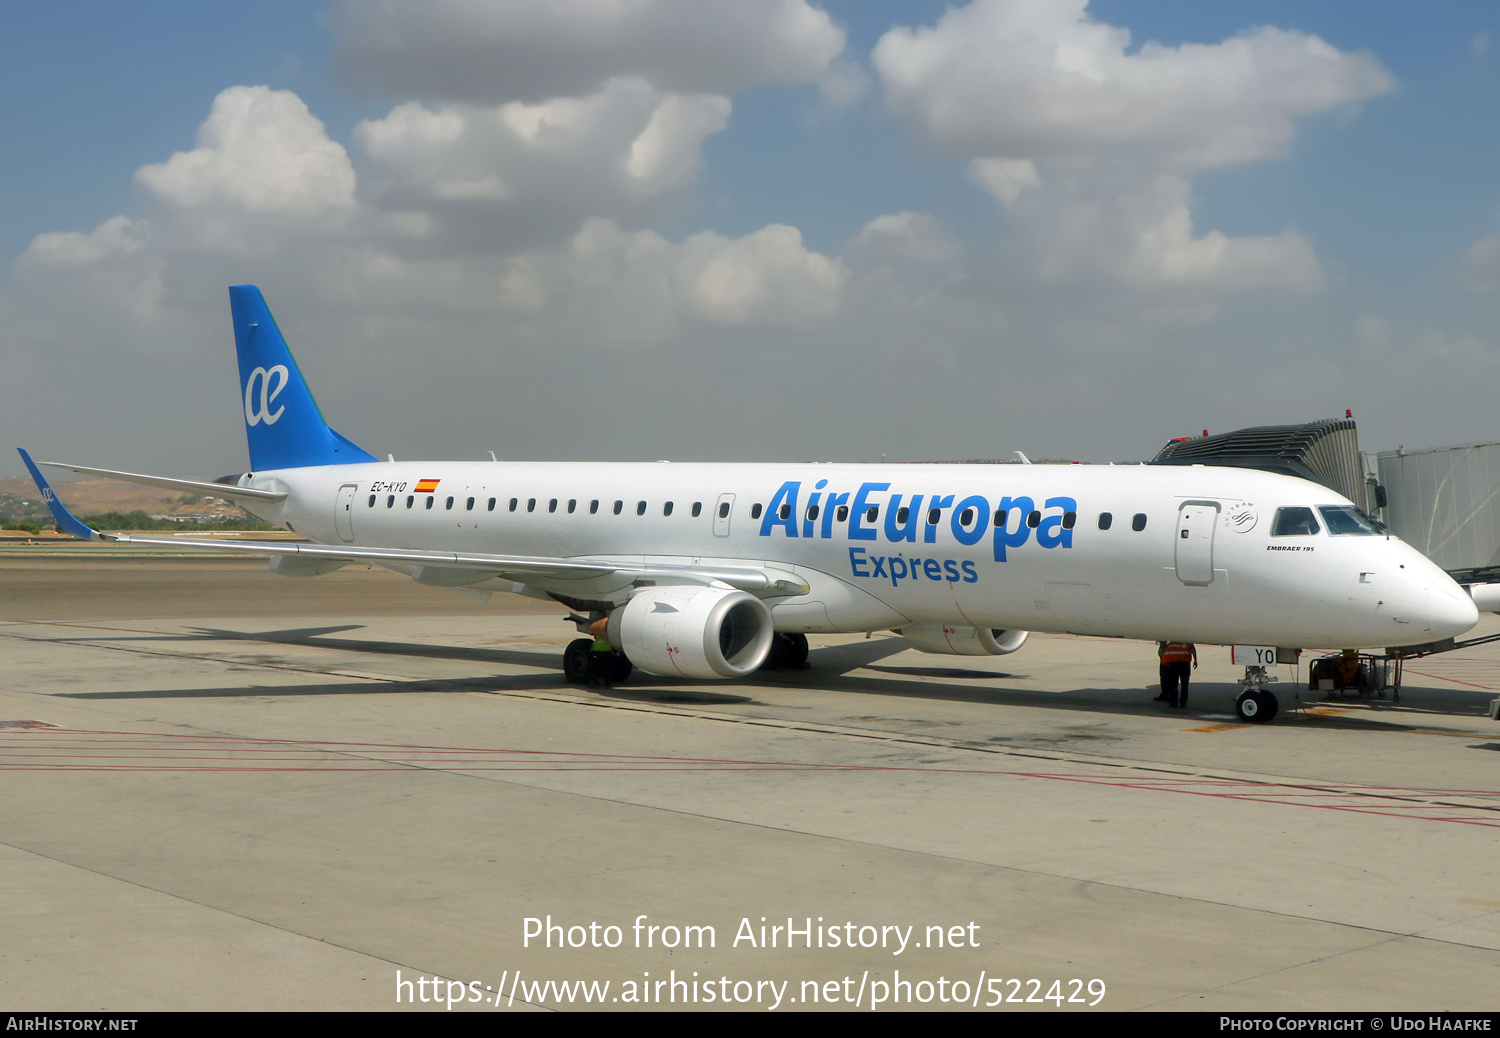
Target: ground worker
x,y
1178,660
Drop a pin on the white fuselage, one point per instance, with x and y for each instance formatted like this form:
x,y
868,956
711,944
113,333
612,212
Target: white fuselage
x,y
1203,567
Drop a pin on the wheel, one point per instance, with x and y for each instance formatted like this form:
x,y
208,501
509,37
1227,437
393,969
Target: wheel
x,y
1248,707
788,652
617,668
1269,707
576,663
1256,707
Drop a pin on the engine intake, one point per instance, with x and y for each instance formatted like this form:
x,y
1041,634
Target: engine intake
x,y
962,641
693,632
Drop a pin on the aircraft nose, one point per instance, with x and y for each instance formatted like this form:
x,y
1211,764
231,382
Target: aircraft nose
x,y
1449,611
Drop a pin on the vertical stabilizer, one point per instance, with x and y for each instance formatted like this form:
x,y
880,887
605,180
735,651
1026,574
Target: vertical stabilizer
x,y
283,425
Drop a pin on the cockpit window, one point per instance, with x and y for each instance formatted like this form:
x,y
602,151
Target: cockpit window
x,y
1294,522
1340,519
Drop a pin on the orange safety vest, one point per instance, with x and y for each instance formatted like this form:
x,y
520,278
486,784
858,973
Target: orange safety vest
x,y
1177,652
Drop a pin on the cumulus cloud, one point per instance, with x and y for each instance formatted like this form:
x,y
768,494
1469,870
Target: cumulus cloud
x,y
635,287
117,236
260,151
491,51
1144,239
1090,145
518,171
897,239
1042,78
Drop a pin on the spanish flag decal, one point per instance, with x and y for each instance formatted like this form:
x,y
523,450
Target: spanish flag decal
x,y
427,486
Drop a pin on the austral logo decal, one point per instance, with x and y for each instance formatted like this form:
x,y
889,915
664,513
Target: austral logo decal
x,y
259,410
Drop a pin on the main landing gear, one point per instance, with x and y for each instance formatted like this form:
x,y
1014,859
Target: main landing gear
x,y
788,652
583,666
1255,705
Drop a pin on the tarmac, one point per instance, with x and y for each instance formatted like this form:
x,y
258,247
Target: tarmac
x,y
231,790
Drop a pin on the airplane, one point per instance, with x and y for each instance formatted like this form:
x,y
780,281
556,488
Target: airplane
x,y
711,571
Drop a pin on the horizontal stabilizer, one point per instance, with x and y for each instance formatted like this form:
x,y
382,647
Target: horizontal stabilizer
x,y
187,486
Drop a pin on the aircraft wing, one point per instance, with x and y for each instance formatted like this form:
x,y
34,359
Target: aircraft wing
x,y
187,486
466,567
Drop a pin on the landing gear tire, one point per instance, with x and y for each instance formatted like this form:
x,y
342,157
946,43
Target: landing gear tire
x,y
577,665
788,652
1270,706
1256,707
616,668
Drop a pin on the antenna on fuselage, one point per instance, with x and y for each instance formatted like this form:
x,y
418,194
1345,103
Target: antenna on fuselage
x,y
1024,459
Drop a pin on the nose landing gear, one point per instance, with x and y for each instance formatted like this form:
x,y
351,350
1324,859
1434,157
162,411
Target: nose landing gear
x,y
1255,705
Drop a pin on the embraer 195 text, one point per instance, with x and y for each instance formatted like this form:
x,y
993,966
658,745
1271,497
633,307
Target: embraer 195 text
x,y
710,571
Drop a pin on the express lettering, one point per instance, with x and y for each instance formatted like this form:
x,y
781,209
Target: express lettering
x,y
897,568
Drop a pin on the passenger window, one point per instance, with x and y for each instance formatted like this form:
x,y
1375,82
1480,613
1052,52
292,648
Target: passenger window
x,y
784,512
1034,520
1069,520
594,507
1138,522
449,505
640,508
531,504
872,513
469,507
1000,519
619,506
491,507
755,511
1294,522
842,515
513,503
901,515
410,500
724,510
697,509
933,515
552,505
666,509
966,517
390,501
430,499
1342,520
1106,520
372,500
572,504
812,512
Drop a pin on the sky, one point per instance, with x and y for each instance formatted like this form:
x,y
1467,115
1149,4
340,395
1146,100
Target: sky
x,y
749,231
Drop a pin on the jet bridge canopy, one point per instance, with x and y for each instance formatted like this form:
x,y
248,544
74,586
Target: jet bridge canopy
x,y
1325,452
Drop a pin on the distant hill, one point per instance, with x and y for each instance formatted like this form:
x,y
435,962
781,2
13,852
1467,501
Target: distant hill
x,y
19,501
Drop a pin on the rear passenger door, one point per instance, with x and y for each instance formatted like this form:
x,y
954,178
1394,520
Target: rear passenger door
x,y
343,513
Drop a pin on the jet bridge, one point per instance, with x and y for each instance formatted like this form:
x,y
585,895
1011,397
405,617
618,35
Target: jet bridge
x,y
1325,452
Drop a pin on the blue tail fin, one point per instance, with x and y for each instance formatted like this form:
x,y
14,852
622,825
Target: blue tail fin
x,y
282,421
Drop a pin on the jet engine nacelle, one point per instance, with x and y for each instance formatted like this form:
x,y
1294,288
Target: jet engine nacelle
x,y
962,641
693,632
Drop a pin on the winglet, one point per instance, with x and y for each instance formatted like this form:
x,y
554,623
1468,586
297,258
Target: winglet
x,y
65,520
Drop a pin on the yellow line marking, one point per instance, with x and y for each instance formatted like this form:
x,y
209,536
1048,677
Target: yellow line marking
x,y
1217,728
